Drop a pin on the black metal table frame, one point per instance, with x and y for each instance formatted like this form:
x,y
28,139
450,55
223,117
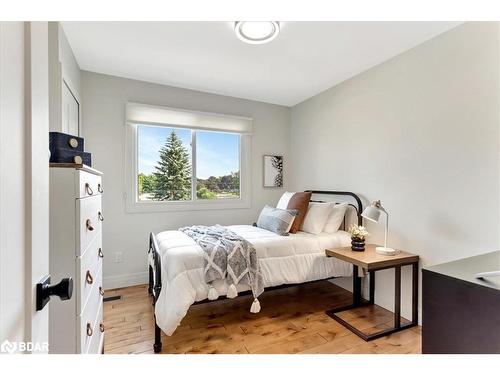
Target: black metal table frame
x,y
357,301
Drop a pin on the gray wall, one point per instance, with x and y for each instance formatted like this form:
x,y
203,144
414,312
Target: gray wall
x,y
421,133
104,99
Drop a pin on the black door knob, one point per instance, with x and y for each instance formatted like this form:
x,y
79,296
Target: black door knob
x,y
64,289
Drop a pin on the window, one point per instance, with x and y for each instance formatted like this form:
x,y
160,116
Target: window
x,y
180,167
165,168
164,164
217,165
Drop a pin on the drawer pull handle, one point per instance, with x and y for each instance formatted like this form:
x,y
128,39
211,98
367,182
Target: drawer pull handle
x,y
89,278
100,189
101,327
101,218
90,331
101,291
100,253
89,226
73,143
88,189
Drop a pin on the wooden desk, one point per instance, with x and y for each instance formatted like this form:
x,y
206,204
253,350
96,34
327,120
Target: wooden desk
x,y
370,261
461,313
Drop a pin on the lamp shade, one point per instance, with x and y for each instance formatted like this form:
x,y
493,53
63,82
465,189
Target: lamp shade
x,y
371,213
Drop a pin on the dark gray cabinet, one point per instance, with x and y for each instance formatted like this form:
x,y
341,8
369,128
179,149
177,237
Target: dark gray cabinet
x,y
460,313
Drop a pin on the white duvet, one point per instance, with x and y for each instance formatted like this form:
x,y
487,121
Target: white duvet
x,y
296,258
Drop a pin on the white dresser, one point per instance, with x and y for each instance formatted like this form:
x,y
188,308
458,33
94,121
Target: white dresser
x,y
76,325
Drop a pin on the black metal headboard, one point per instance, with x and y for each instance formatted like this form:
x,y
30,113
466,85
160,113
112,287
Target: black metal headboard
x,y
359,208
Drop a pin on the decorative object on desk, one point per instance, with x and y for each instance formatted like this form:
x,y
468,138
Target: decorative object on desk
x,y
273,171
372,213
358,234
67,148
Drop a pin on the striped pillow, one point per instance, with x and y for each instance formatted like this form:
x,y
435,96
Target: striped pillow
x,y
276,220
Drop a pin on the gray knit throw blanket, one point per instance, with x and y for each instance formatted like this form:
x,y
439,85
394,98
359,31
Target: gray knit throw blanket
x,y
227,256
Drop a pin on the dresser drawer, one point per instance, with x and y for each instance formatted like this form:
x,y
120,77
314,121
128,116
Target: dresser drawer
x,y
89,218
88,271
87,319
98,334
88,185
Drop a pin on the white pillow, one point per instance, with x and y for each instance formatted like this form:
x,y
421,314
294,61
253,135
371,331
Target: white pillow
x,y
283,202
316,217
335,218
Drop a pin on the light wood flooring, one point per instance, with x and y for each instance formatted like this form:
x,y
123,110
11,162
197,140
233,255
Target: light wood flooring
x,y
292,320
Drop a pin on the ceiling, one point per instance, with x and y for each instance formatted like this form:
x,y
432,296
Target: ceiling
x,y
306,58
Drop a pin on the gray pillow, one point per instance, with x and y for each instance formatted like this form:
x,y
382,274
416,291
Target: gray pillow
x,y
276,220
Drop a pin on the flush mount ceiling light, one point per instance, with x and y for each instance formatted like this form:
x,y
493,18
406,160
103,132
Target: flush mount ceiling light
x,y
256,32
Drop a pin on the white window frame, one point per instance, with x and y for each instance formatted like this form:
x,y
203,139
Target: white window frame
x,y
133,205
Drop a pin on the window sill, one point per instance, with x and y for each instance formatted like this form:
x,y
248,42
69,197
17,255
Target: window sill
x,y
148,207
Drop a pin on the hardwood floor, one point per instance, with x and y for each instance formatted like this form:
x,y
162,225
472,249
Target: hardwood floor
x,y
292,320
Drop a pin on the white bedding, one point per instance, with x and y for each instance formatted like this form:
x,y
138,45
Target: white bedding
x,y
296,258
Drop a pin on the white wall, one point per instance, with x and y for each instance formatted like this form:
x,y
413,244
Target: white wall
x,y
104,99
421,133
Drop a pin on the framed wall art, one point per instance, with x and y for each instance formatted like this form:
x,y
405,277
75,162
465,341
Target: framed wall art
x,y
273,171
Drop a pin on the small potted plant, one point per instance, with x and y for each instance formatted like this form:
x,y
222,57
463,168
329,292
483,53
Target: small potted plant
x,y
358,234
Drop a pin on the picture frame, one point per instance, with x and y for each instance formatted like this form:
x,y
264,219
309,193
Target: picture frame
x,y
273,171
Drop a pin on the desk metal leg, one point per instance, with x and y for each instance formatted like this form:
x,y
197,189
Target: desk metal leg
x,y
356,286
372,287
414,296
397,297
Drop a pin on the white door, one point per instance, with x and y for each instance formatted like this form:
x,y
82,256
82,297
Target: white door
x,y
24,184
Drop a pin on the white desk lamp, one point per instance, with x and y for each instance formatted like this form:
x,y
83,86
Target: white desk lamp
x,y
372,213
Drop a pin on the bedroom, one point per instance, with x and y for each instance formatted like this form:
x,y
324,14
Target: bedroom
x,y
234,187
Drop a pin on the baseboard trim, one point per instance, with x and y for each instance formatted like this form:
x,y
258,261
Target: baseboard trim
x,y
122,281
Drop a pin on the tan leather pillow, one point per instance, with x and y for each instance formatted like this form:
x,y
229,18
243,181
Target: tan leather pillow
x,y
295,201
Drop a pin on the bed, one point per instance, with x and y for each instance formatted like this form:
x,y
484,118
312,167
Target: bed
x,y
176,278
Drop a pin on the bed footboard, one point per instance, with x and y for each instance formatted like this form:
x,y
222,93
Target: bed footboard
x,y
154,288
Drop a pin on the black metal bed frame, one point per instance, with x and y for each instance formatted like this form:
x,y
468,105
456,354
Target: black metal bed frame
x,y
155,283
